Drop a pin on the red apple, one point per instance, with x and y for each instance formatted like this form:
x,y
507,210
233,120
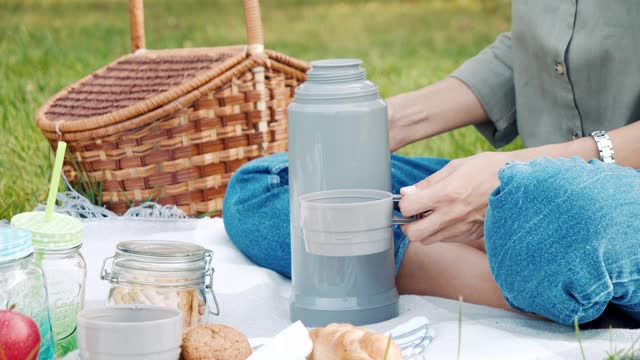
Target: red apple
x,y
19,336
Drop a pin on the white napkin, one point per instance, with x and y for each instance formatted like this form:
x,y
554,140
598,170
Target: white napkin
x,y
292,343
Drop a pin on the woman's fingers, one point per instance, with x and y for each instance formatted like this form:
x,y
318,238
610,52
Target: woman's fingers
x,y
462,232
425,194
422,230
431,180
449,221
418,201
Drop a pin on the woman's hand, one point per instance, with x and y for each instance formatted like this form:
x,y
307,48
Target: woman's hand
x,y
453,200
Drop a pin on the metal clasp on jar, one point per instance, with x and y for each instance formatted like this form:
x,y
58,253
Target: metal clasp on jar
x,y
106,274
109,275
209,286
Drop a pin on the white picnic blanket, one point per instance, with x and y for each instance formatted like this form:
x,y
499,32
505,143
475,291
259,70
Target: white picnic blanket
x,y
255,300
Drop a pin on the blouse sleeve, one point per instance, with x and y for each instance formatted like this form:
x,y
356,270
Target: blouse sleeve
x,y
490,76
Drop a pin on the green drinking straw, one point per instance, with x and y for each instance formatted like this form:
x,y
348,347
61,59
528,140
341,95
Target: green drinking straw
x,y
55,180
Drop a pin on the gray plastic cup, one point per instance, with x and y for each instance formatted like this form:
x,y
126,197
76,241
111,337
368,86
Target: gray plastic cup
x,y
130,333
348,222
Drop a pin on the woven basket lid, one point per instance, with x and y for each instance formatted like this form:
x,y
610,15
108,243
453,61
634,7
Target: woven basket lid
x,y
133,85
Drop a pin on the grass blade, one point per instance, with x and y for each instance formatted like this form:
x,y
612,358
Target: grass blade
x,y
575,324
126,198
386,351
459,328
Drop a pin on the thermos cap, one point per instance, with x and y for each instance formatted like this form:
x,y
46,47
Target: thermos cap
x,y
334,79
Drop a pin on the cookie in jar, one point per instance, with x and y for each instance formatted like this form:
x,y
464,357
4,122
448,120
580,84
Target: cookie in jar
x,y
164,273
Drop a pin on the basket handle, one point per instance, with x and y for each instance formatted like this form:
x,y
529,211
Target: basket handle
x,y
252,18
136,25
253,21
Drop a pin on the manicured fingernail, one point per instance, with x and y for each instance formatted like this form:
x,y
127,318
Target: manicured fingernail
x,y
408,190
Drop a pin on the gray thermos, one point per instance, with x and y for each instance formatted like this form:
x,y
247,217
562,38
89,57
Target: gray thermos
x,y
338,139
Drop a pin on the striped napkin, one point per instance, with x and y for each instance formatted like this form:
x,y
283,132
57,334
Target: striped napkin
x,y
413,337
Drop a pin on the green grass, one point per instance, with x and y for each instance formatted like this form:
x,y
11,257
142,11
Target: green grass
x,y
47,44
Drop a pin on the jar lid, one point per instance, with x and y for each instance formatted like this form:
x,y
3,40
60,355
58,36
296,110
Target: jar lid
x,y
60,232
14,244
159,256
163,249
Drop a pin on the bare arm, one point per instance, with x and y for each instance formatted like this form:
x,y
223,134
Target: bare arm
x,y
626,145
480,90
450,104
446,105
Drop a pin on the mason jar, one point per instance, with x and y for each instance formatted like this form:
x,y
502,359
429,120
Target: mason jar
x,y
165,273
22,284
56,244
66,274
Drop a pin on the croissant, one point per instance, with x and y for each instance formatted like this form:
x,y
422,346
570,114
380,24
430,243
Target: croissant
x,y
347,342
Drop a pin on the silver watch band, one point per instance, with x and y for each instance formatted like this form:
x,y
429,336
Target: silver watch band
x,y
605,146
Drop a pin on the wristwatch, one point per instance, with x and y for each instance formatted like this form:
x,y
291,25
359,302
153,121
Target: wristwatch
x,y
605,146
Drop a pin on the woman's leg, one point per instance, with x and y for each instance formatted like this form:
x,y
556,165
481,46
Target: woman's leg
x,y
256,207
449,270
563,238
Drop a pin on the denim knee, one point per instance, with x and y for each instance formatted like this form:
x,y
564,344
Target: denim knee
x,y
256,212
558,237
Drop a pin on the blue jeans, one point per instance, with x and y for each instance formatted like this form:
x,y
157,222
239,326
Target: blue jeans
x,y
562,236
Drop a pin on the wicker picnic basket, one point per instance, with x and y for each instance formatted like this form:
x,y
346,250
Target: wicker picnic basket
x,y
172,126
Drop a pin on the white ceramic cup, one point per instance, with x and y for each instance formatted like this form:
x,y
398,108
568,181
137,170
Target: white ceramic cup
x,y
348,222
130,333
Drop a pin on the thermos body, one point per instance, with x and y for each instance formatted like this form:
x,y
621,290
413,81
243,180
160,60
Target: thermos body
x,y
338,139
